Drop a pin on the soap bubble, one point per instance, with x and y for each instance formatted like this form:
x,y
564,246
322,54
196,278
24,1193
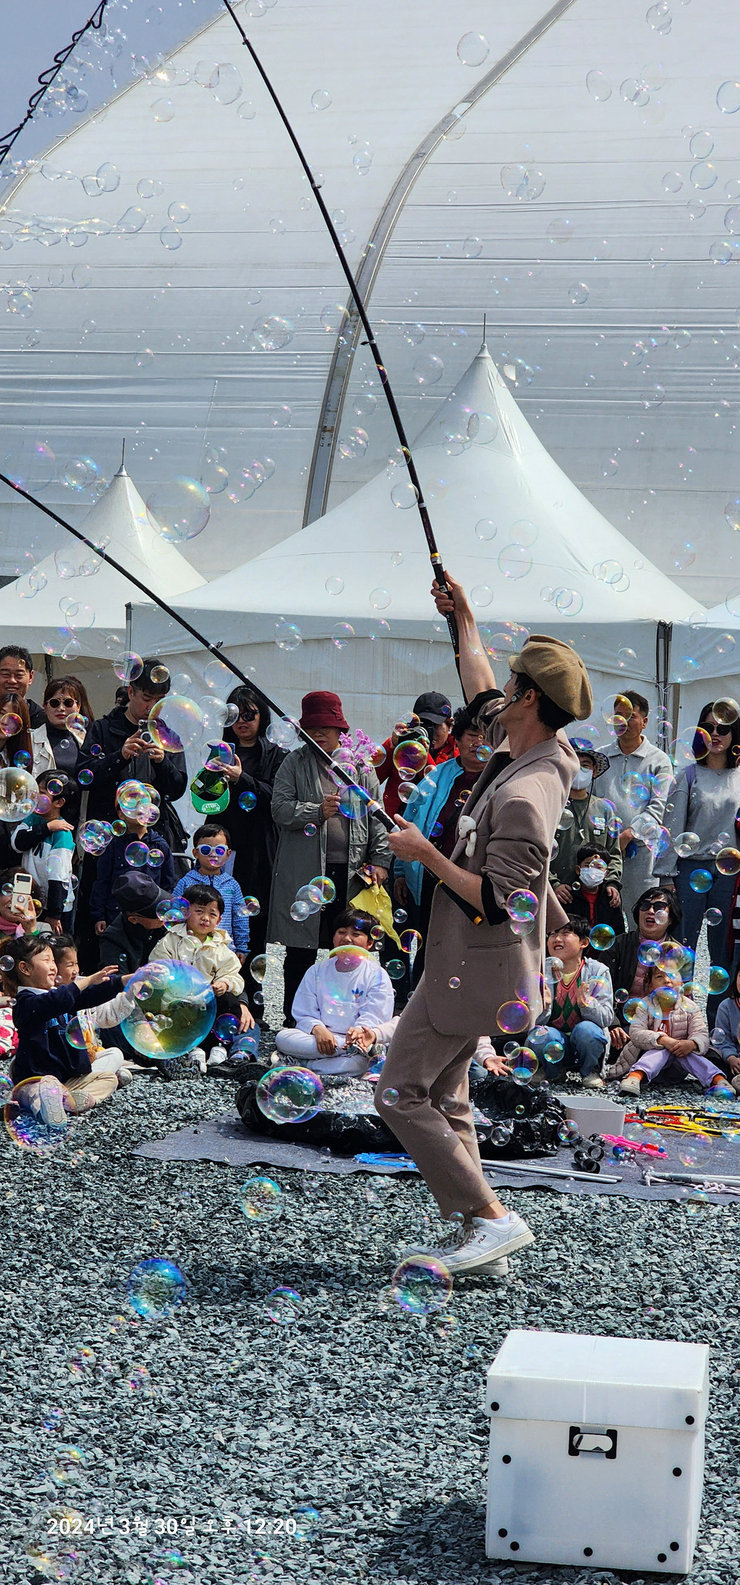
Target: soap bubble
x,y
94,836
128,667
320,99
410,941
390,1097
174,1013
299,910
176,723
70,1464
701,880
290,1095
283,1305
472,49
225,83
421,1285
522,181
132,797
521,904
694,1150
18,793
261,1199
341,634
513,1017
713,916
547,1044
10,723
718,980
428,369
334,585
251,907
395,969
404,495
568,1132
598,86
726,711
156,1289
323,889
686,843
288,636
601,938
410,757
578,293
136,854
23,1125
179,509
727,861
258,968
226,1028
728,98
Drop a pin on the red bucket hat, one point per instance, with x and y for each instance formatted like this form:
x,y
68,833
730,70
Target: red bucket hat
x,y
322,709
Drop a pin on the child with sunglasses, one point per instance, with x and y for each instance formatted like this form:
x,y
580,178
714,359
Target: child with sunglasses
x,y
211,853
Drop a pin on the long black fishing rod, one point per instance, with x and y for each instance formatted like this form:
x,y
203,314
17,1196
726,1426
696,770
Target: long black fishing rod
x,y
426,522
46,78
335,767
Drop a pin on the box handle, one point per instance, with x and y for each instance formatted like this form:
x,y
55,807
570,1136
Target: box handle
x,y
592,1440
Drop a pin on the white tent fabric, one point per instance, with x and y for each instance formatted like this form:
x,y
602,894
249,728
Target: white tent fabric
x,y
512,527
74,589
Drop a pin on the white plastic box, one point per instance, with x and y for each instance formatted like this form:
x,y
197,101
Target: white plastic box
x,y
597,1451
594,1115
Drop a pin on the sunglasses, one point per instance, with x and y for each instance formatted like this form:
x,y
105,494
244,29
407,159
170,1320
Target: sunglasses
x,y
715,726
206,851
61,704
248,715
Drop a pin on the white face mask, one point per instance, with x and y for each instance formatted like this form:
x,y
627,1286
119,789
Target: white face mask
x,y
592,875
582,779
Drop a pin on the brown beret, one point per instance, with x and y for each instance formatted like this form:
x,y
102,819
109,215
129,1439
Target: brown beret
x,y
558,671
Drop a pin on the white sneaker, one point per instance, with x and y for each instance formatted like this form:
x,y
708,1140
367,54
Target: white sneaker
x,y
630,1085
488,1239
593,1081
48,1105
497,1267
217,1059
198,1059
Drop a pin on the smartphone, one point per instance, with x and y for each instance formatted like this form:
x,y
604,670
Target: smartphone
x,y
21,892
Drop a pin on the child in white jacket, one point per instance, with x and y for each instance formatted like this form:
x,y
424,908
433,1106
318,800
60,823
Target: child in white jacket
x,y
337,1001
200,941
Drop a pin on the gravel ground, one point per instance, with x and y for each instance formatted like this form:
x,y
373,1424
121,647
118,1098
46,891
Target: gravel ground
x,y
222,1416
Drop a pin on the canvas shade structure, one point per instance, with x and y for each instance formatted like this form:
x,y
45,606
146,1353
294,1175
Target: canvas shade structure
x,y
529,548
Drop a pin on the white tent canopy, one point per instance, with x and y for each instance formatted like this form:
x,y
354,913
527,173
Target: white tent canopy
x,y
73,589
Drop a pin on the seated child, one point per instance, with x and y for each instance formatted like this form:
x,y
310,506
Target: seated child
x,y
62,1073
104,1059
336,1007
726,1034
48,847
582,1005
200,941
112,862
670,1029
211,853
594,897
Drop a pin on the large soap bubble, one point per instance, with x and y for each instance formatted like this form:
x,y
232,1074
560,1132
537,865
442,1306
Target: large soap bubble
x,y
174,1009
179,509
290,1095
176,723
18,793
156,1288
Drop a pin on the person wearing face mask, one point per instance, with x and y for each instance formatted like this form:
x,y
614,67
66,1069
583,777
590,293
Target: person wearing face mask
x,y
592,894
586,819
656,918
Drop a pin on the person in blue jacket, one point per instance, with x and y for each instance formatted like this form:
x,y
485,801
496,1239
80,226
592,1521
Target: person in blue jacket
x,y
52,1077
435,806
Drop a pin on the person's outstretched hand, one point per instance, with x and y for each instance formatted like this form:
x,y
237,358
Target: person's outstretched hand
x,y
451,601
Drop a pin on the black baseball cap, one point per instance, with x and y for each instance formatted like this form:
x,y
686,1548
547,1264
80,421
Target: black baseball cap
x,y
137,894
433,707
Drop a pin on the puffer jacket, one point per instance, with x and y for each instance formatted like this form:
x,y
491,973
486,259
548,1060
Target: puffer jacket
x,y
687,1022
213,957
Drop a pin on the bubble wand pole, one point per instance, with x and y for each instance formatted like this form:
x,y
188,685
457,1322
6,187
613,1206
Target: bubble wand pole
x,y
426,522
336,768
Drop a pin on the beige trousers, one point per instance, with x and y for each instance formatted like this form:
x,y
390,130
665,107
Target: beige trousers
x,y
91,1090
432,1117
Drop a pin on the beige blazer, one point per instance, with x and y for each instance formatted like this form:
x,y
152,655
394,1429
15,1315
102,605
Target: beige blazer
x,y
517,811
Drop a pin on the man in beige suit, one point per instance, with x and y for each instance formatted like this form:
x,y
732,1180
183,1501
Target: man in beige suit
x,y
479,975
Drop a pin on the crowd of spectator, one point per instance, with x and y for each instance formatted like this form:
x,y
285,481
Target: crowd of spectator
x,y
645,854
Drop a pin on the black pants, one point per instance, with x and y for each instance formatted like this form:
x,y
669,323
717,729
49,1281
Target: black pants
x,y
298,960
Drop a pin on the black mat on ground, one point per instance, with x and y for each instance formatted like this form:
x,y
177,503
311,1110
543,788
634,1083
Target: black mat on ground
x,y
226,1140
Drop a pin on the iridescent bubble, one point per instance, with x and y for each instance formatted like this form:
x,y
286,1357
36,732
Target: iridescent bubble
x,y
290,1095
283,1306
379,599
485,529
718,980
70,1465
578,293
174,1014
404,495
24,1124
395,969
524,1065
727,861
299,910
421,1285
136,854
341,634
176,723
472,49
521,904
701,880
410,941
258,968
225,84
410,757
128,666
156,1289
428,369
18,793
726,711
602,938
390,1097
713,916
179,509
334,585
288,636
261,1199
514,562
513,1017
251,907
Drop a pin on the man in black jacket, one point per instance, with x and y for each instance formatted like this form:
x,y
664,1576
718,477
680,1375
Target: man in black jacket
x,y
118,747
